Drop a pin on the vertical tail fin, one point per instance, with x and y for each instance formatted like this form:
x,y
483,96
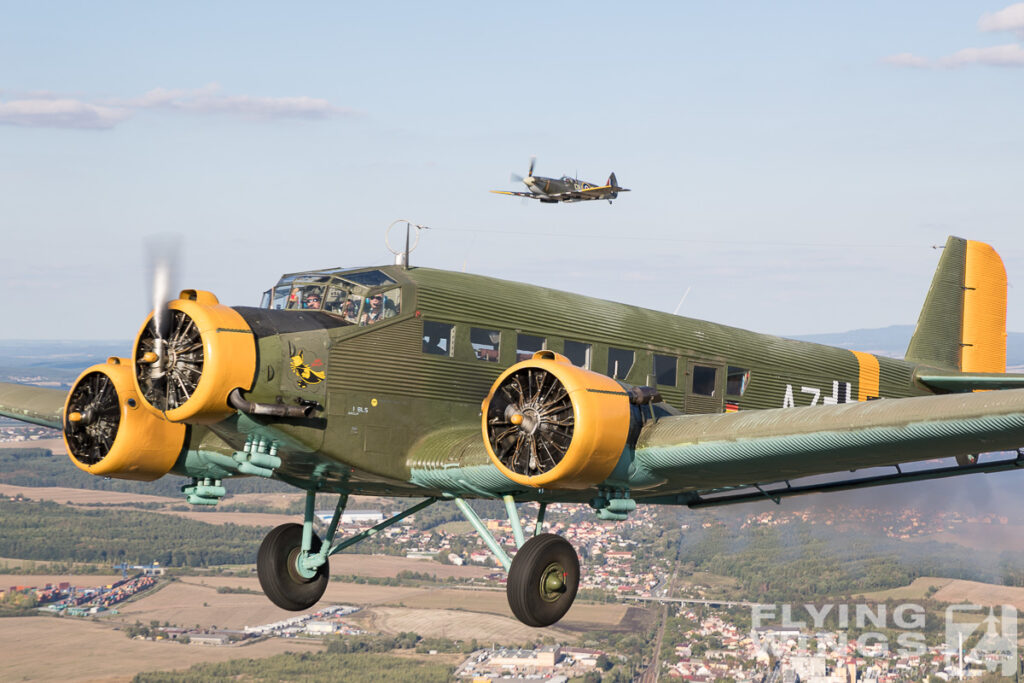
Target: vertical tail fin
x,y
613,183
963,323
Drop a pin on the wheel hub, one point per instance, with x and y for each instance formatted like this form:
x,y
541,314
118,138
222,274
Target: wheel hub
x,y
552,582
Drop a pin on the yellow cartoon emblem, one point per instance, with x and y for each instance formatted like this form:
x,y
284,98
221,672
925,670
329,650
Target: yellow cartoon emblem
x,y
306,372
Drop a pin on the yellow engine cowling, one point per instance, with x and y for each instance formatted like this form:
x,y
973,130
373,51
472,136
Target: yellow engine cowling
x,y
547,423
109,432
188,370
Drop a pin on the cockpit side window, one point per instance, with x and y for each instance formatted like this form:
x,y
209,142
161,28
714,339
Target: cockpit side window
x,y
381,306
280,298
305,297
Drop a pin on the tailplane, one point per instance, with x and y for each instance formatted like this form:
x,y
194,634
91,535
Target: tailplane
x,y
963,323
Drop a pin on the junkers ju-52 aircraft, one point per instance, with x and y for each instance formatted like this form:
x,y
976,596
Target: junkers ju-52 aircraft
x,y
420,383
564,189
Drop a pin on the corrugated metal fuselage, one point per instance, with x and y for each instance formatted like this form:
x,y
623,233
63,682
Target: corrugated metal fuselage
x,y
390,409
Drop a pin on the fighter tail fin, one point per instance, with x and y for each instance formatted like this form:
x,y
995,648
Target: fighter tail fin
x,y
614,183
963,323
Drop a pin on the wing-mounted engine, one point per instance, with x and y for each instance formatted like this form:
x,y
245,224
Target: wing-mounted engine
x,y
188,363
548,423
109,432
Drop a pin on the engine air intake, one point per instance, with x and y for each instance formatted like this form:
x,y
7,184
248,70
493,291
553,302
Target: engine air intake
x,y
109,432
548,423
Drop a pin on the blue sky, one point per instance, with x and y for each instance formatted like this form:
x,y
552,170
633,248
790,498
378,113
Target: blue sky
x,y
791,164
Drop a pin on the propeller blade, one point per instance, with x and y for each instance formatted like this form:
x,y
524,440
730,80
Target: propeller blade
x,y
163,253
515,178
533,160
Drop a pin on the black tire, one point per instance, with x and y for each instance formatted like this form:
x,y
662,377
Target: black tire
x,y
276,568
530,593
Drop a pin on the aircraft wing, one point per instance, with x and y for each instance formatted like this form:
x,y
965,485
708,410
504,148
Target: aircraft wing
x,y
701,453
37,405
529,195
600,192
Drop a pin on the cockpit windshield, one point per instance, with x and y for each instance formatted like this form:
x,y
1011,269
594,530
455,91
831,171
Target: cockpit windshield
x,y
362,298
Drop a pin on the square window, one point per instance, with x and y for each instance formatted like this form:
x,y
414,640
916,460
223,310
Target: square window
x,y
736,381
665,370
527,345
578,353
437,338
704,380
620,361
486,344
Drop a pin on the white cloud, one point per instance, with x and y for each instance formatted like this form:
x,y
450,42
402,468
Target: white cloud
x,y
60,113
209,100
1010,18
48,110
1007,19
907,59
997,55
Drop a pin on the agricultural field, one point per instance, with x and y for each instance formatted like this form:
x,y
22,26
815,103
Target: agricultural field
x,y
974,592
55,446
70,496
84,650
435,623
953,591
916,590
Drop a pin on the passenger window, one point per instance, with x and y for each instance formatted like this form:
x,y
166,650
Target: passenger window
x,y
736,381
619,363
486,343
437,338
527,345
704,380
665,370
381,306
578,353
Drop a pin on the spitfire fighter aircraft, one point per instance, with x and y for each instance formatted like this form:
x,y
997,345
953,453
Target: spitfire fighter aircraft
x,y
443,386
564,189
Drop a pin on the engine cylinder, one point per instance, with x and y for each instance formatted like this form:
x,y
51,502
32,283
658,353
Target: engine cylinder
x,y
204,352
547,423
109,432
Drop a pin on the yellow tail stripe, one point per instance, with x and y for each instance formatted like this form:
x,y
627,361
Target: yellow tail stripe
x,y
984,323
867,381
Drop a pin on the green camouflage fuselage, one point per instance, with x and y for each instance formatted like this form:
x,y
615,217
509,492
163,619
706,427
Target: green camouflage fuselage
x,y
398,421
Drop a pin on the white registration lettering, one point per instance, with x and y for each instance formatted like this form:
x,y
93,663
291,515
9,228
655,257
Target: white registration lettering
x,y
816,393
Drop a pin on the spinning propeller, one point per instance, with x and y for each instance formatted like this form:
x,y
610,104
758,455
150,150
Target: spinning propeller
x,y
529,174
169,353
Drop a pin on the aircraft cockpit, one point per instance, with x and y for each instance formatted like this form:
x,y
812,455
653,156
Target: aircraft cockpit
x,y
359,297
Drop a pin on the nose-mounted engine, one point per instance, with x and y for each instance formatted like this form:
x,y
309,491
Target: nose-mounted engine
x,y
109,432
190,356
548,423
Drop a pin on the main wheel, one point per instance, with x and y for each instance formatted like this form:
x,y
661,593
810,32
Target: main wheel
x,y
276,566
543,580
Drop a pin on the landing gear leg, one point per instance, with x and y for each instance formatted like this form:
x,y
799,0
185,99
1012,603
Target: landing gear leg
x,y
543,576
292,563
293,572
277,566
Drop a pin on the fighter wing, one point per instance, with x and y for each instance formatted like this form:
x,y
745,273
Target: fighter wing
x,y
694,454
37,405
603,190
529,195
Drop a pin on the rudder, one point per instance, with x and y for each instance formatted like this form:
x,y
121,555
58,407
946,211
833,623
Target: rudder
x,y
962,325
